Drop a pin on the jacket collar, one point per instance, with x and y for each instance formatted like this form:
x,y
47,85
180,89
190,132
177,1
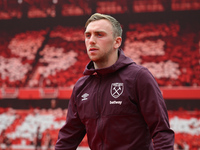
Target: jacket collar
x,y
120,63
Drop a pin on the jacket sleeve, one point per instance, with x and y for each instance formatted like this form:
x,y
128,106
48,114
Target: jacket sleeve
x,y
154,110
73,131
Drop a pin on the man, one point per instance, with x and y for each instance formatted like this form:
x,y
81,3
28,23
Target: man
x,y
38,139
117,103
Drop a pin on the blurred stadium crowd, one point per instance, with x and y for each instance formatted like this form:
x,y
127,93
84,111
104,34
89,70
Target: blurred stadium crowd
x,y
20,126
56,57
52,8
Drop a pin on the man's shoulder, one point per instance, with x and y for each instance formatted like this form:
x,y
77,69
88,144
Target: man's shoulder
x,y
135,70
135,67
81,81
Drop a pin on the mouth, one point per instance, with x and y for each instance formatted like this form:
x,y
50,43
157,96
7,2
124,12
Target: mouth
x,y
93,49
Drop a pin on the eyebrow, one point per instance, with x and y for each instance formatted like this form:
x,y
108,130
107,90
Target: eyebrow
x,y
100,31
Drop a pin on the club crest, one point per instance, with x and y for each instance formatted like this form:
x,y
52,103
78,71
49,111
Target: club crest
x,y
116,89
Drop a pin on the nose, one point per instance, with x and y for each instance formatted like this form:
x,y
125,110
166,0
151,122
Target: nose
x,y
92,39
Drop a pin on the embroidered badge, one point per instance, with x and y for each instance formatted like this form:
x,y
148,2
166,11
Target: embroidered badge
x,y
85,96
116,89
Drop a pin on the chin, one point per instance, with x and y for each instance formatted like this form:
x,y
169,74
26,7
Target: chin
x,y
93,58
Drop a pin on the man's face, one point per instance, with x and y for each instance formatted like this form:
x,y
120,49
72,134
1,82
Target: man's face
x,y
99,41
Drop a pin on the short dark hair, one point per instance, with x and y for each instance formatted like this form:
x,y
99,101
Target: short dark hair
x,y
115,24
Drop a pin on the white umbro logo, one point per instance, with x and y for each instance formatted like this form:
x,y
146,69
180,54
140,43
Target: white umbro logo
x,y
85,96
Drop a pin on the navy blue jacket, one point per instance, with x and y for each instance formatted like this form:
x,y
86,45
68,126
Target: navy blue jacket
x,y
119,107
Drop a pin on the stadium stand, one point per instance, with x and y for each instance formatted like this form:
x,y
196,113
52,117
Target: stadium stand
x,y
60,61
21,125
159,47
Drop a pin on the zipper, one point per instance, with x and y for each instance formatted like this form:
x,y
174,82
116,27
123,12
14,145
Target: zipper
x,y
99,121
99,97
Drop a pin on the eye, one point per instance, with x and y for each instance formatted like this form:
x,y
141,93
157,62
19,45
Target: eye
x,y
87,35
99,34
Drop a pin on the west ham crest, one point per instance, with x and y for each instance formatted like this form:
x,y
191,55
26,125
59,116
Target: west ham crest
x,y
116,89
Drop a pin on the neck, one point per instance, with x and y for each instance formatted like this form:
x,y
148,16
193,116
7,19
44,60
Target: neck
x,y
106,63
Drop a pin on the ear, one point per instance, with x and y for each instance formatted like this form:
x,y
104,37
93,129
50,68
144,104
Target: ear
x,y
118,42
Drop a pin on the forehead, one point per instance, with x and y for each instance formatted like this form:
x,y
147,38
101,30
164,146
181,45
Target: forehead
x,y
99,25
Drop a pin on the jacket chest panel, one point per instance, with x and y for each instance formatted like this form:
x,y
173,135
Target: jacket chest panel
x,y
105,97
